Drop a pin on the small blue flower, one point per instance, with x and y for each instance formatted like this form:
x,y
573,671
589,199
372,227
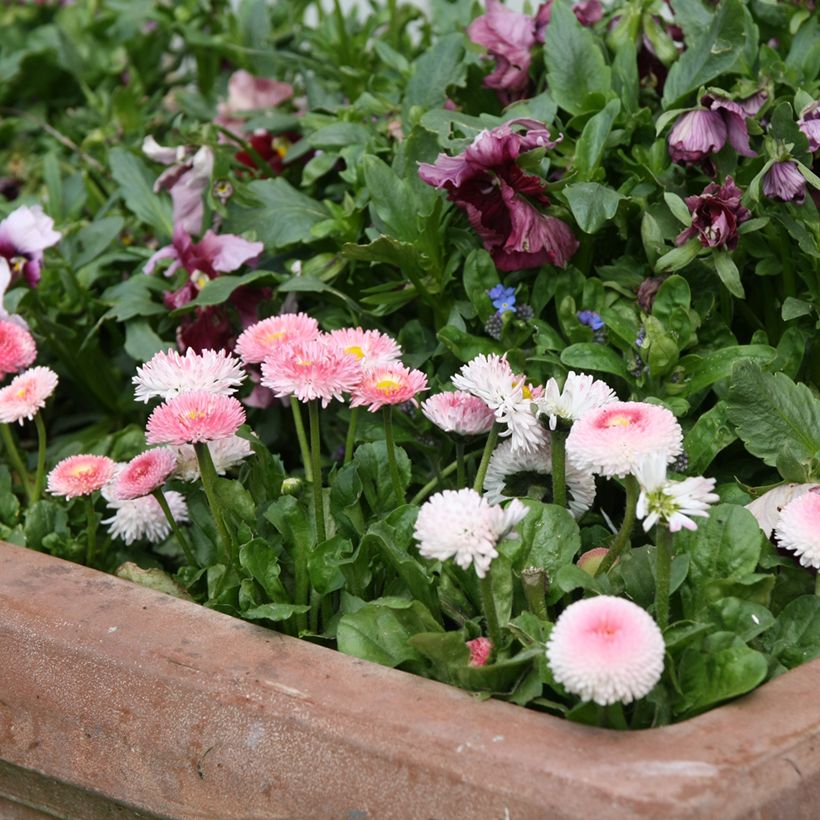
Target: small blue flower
x,y
503,299
591,319
640,338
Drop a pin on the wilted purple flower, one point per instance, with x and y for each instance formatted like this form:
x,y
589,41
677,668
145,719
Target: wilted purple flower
x,y
751,105
647,291
705,131
496,194
186,179
784,181
809,124
24,234
716,214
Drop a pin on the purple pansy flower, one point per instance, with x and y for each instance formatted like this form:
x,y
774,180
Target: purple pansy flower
x,y
497,196
716,214
24,234
784,181
809,124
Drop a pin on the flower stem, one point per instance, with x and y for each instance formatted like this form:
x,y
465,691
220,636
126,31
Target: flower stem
x,y
16,460
492,438
663,563
350,441
817,585
431,485
178,533
559,467
534,581
622,538
90,531
391,454
461,473
490,613
303,442
315,444
40,476
207,472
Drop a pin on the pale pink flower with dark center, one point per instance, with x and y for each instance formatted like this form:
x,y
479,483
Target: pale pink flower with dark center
x,y
26,395
370,347
614,439
138,518
144,474
194,417
261,339
168,373
606,650
17,347
310,370
24,234
387,384
799,528
480,650
80,475
225,454
459,412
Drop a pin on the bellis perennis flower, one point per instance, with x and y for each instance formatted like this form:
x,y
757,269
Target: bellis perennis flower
x,y
142,518
194,417
799,528
606,650
17,347
673,502
459,412
463,525
26,395
80,475
143,474
260,340
369,347
384,384
580,394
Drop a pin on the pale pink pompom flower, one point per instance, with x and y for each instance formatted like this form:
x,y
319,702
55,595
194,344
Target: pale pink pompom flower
x,y
799,528
80,475
459,412
613,439
480,650
17,347
194,417
144,473
260,340
606,650
310,370
26,395
370,347
387,384
767,508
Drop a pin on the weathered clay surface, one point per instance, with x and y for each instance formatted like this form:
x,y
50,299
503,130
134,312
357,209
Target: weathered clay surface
x,y
177,711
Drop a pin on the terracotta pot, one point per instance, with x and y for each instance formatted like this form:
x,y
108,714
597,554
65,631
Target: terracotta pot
x,y
117,701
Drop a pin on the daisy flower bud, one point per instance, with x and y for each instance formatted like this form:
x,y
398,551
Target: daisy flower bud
x,y
80,475
799,528
480,650
26,395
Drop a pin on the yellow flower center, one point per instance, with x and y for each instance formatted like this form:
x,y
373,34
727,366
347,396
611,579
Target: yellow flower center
x,y
618,421
273,336
196,415
82,470
526,392
280,145
355,350
18,263
199,279
22,393
388,384
304,362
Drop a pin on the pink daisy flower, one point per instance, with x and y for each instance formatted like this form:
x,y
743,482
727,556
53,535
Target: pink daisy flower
x,y
606,650
613,439
143,474
17,347
194,417
26,395
310,370
370,347
767,508
799,528
480,649
261,339
169,373
80,475
459,412
387,384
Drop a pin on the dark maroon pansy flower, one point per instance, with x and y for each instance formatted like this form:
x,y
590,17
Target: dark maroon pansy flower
x,y
716,214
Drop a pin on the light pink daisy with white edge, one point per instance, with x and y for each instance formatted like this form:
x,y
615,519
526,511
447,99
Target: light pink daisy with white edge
x,y
225,454
767,508
168,373
613,439
80,475
459,412
17,347
260,340
194,417
580,394
387,384
606,650
463,525
310,370
26,394
799,528
142,518
662,499
143,474
370,347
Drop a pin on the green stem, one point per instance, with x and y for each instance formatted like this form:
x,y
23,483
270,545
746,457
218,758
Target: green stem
x,y
492,438
461,472
488,602
622,538
40,476
663,563
178,533
391,454
350,441
303,595
534,581
300,434
207,473
16,460
817,585
90,531
559,467
431,485
315,445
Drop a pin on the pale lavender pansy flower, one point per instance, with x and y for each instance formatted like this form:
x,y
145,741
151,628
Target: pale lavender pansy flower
x,y
24,234
809,124
784,181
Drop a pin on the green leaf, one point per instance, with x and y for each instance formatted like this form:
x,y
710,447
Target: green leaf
x,y
480,275
374,473
728,273
794,308
42,519
134,297
323,564
625,79
745,618
466,346
136,187
592,204
434,72
718,364
93,239
218,291
549,538
391,198
795,637
678,207
715,51
590,146
259,559
389,250
141,343
283,216
710,434
591,356
678,258
575,64
273,612
770,411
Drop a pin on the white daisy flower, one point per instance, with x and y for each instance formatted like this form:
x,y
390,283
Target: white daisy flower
x,y
580,394
225,454
142,518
